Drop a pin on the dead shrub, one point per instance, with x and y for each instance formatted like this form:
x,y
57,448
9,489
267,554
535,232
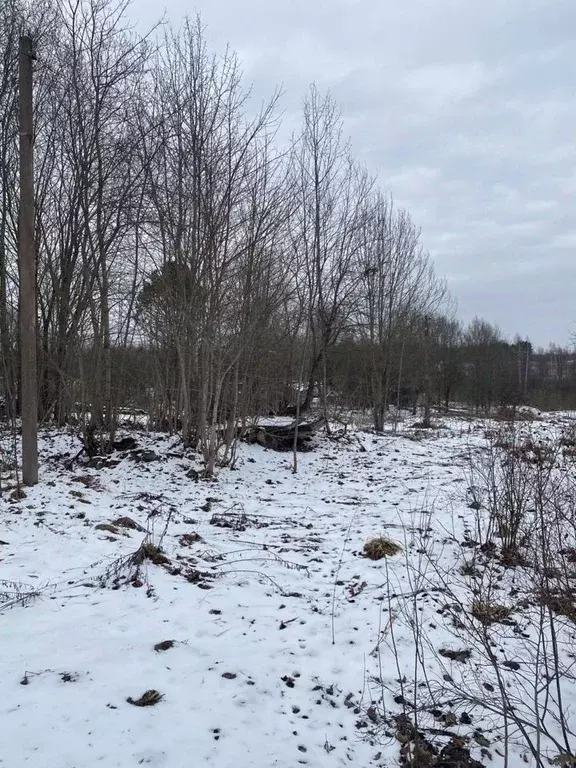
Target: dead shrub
x,y
504,480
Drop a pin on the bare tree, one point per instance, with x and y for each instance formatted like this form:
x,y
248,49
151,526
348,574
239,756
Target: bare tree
x,y
218,202
398,287
104,66
332,192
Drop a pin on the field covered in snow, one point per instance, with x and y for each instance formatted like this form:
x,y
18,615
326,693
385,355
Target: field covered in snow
x,y
243,611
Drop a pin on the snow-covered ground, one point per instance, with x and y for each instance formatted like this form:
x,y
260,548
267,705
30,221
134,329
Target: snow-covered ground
x,y
289,646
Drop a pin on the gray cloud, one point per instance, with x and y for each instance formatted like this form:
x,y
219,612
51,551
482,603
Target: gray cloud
x,y
465,110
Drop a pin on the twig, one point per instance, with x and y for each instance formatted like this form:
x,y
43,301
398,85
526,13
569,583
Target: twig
x,y
336,578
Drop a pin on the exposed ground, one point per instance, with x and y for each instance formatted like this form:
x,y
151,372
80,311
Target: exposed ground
x,y
150,619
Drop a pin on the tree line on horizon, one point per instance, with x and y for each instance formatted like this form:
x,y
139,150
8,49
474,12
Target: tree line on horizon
x,y
189,265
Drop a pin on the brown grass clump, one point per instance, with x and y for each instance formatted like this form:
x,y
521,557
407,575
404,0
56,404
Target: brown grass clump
x,y
461,656
561,602
148,699
89,481
380,547
510,413
128,522
569,554
107,527
468,568
149,551
490,613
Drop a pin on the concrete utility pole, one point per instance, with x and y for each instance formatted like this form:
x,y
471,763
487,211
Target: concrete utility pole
x,y
27,269
426,421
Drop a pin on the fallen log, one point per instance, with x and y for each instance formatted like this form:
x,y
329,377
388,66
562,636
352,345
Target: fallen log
x,y
278,435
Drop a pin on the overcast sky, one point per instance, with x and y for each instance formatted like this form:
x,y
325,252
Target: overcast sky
x,y
466,109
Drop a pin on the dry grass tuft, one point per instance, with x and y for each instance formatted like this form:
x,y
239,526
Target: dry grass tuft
x,y
148,699
149,551
461,656
490,613
380,547
128,522
107,527
561,602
